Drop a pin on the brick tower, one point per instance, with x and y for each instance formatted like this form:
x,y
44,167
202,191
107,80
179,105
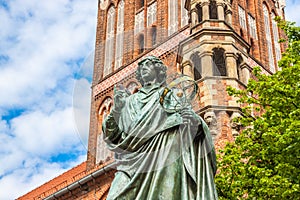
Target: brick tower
x,y
217,42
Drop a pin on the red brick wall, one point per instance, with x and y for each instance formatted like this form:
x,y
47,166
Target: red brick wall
x,y
95,189
259,48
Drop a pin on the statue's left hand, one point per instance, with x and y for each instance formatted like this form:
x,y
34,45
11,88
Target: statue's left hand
x,y
188,117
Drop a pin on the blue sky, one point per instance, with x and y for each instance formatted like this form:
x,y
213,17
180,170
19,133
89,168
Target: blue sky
x,y
46,59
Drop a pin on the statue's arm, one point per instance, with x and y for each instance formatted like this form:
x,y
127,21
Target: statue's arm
x,y
112,133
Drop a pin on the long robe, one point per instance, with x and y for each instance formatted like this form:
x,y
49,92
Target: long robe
x,y
159,157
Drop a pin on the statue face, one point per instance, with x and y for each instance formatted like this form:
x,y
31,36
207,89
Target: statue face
x,y
148,72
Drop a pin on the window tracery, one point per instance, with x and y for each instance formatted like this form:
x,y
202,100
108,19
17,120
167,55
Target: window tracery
x,y
173,16
109,43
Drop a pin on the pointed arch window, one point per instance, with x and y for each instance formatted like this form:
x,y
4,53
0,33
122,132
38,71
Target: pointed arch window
x,y
139,22
276,38
252,26
242,17
105,109
109,43
173,16
151,14
268,37
219,62
141,42
213,10
199,13
197,66
184,14
120,35
102,152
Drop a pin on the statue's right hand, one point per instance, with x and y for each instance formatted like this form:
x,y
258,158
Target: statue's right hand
x,y
120,95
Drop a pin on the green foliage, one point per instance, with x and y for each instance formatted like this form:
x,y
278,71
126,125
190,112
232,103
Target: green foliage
x,y
264,160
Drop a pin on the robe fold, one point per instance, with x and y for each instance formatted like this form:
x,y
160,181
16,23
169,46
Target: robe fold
x,y
158,156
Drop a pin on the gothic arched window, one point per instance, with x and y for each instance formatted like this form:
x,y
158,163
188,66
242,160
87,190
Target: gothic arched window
x,y
219,62
242,17
184,14
120,35
268,37
151,14
199,13
105,109
109,43
103,153
197,66
173,16
213,10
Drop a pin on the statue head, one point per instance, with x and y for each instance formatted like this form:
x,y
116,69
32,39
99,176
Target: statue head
x,y
159,67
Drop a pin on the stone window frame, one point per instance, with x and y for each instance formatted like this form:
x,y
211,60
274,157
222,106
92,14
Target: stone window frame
x,y
120,35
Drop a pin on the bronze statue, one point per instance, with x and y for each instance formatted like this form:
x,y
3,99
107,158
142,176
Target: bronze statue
x,y
161,155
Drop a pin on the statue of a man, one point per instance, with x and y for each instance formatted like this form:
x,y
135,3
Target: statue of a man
x,y
160,155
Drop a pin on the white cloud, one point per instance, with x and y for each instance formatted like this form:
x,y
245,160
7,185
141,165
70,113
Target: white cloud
x,y
21,180
81,106
45,43
81,109
292,11
58,31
